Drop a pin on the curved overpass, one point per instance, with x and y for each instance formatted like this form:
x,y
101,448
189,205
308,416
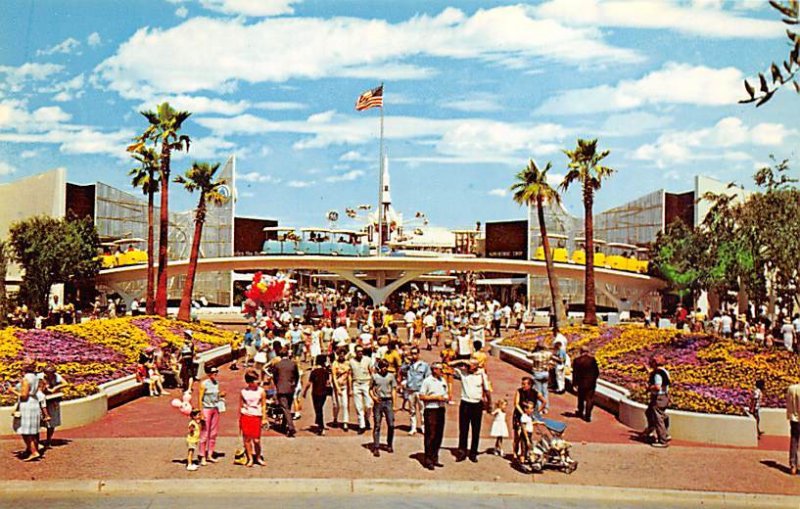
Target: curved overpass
x,y
410,267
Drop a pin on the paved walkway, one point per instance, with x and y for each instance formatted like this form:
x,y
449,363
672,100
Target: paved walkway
x,y
144,440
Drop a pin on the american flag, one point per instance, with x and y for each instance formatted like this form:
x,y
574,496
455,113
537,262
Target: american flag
x,y
370,99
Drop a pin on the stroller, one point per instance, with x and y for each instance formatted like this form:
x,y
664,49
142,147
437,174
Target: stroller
x,y
549,450
275,417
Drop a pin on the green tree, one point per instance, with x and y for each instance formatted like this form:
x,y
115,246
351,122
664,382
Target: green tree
x,y
786,71
585,168
531,187
164,132
145,176
52,251
200,177
676,258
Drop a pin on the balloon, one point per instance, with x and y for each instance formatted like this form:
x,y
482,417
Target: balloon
x,y
186,408
187,397
176,403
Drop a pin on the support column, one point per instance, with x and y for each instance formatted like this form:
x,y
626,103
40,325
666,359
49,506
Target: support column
x,y
378,294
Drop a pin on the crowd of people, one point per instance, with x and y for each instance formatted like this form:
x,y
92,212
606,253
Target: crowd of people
x,y
356,357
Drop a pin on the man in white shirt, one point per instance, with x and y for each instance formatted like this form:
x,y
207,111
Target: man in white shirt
x,y
793,415
429,324
474,387
361,377
409,318
340,336
434,395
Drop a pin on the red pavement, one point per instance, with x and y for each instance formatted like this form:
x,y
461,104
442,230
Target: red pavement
x,y
154,417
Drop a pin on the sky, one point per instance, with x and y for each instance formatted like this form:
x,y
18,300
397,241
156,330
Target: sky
x,y
473,90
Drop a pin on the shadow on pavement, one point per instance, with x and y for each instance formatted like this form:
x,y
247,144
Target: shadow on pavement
x,y
777,466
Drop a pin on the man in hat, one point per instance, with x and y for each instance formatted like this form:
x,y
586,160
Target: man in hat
x,y
793,415
188,364
585,373
787,331
434,395
656,413
475,389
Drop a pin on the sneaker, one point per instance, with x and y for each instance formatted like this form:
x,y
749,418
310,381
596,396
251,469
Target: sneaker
x,y
660,445
203,463
211,459
192,467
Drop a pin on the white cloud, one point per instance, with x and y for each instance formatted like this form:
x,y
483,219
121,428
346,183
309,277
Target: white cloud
x,y
181,12
94,39
717,142
257,177
279,105
345,177
255,8
461,140
16,77
474,102
197,104
28,154
6,169
705,18
208,147
300,183
246,194
14,115
672,84
66,46
268,51
66,90
500,192
354,155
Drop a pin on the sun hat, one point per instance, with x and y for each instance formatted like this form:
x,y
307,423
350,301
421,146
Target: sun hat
x,y
188,333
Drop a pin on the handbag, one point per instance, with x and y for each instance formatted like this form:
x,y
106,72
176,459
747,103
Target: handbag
x,y
221,406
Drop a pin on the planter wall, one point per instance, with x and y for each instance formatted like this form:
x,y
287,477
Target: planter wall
x,y
83,411
691,426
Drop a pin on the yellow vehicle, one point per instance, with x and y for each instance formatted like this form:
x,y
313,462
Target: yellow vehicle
x,y
621,257
557,246
579,255
642,264
122,252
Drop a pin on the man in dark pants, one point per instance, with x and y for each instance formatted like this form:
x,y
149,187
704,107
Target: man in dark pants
x,y
474,387
434,396
383,392
285,375
585,373
656,413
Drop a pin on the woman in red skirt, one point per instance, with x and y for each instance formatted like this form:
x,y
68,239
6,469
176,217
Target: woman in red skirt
x,y
253,413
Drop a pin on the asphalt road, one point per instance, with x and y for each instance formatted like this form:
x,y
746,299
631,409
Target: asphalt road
x,y
283,501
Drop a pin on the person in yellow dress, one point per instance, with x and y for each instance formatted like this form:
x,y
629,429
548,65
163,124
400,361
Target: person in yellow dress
x,y
193,438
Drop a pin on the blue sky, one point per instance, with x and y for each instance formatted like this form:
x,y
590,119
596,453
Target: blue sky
x,y
473,89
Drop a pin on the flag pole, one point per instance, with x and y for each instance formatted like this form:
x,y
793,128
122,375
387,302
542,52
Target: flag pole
x,y
380,183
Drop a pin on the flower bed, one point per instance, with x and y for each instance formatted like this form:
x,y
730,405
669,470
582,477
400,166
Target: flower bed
x,y
709,374
98,351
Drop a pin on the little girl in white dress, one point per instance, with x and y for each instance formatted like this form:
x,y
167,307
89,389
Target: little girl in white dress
x,y
499,426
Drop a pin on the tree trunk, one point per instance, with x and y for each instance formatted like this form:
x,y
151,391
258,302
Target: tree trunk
x,y
163,233
184,312
590,306
150,295
555,292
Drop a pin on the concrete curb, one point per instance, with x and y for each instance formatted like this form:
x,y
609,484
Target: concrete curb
x,y
344,487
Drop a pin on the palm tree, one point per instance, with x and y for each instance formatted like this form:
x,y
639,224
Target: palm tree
x,y
585,167
532,187
144,176
200,177
164,129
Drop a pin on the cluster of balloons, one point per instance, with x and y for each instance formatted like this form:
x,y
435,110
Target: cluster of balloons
x,y
264,291
184,405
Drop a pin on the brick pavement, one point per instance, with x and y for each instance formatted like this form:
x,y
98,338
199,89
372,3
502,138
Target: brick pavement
x,y
144,439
